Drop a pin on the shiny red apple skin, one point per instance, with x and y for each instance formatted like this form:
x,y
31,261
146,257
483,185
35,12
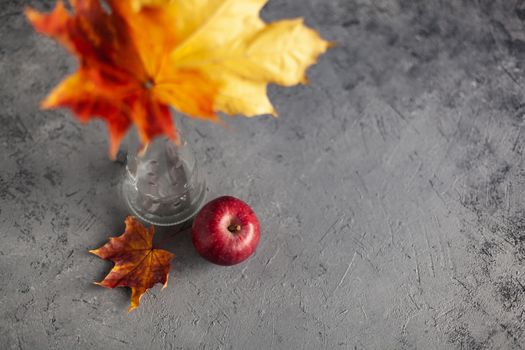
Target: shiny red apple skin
x,y
226,231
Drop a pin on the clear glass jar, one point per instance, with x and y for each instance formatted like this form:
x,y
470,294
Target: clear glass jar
x,y
162,184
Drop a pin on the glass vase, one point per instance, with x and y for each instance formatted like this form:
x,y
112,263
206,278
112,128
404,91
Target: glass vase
x,y
162,184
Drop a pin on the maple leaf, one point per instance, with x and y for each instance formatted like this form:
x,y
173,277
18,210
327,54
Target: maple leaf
x,y
200,56
137,264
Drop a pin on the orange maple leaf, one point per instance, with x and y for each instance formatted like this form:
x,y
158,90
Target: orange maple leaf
x,y
200,56
137,264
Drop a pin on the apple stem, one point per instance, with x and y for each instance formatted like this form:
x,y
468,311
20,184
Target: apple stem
x,y
234,228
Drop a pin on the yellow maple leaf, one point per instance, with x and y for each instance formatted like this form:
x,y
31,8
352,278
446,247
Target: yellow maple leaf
x,y
200,56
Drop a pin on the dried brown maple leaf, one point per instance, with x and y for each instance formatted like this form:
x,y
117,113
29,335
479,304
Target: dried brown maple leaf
x,y
137,264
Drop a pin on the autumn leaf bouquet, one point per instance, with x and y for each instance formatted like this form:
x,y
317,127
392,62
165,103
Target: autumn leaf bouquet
x,y
138,58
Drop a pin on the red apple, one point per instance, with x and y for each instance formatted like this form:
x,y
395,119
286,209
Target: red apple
x,y
226,231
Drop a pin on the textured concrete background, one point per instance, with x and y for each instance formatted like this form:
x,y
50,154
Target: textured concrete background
x,y
389,193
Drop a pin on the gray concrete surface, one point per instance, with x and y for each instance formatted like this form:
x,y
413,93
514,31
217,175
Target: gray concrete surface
x,y
389,192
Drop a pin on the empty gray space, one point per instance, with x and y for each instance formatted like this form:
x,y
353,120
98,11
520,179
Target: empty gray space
x,y
389,190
